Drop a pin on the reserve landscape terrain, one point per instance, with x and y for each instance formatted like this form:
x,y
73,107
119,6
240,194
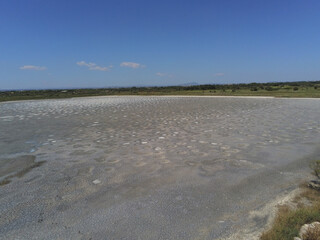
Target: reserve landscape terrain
x,y
277,89
151,167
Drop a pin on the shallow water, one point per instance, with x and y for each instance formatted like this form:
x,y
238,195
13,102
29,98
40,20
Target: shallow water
x,y
150,167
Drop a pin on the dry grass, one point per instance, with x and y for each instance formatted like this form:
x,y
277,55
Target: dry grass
x,y
289,220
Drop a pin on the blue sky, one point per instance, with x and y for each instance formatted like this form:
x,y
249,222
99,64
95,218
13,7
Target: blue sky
x,y
66,44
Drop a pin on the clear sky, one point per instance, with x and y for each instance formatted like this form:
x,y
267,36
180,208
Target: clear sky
x,y
77,43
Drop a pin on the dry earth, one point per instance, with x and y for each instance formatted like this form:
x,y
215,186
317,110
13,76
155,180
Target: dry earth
x,y
150,167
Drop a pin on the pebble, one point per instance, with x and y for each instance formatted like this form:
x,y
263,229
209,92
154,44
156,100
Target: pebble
x,y
97,181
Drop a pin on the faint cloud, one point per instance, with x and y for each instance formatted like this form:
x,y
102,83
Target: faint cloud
x,y
160,74
219,74
32,67
93,66
132,65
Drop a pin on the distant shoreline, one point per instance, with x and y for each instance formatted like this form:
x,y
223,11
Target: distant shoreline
x,y
177,96
251,90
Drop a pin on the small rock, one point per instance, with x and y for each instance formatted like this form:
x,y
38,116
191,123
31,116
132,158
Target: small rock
x,y
97,181
308,227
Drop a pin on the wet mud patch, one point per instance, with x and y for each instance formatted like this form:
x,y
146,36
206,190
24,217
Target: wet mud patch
x,y
17,167
82,152
208,170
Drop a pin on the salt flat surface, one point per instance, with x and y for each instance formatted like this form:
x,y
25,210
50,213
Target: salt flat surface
x,y
149,167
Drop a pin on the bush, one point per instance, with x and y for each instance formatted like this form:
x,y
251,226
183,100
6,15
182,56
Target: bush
x,y
295,89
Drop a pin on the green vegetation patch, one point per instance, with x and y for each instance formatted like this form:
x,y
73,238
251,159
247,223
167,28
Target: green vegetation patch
x,y
278,89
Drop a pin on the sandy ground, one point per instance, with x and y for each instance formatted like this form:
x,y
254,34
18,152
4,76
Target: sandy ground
x,y
151,167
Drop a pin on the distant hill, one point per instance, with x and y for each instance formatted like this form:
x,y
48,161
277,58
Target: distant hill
x,y
189,84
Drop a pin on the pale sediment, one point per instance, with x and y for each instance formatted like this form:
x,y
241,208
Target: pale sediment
x,y
152,167
254,230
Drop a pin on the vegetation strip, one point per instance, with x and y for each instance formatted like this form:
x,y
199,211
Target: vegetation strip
x,y
278,89
305,209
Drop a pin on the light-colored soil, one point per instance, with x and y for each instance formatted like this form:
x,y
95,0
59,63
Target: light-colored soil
x,y
152,167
